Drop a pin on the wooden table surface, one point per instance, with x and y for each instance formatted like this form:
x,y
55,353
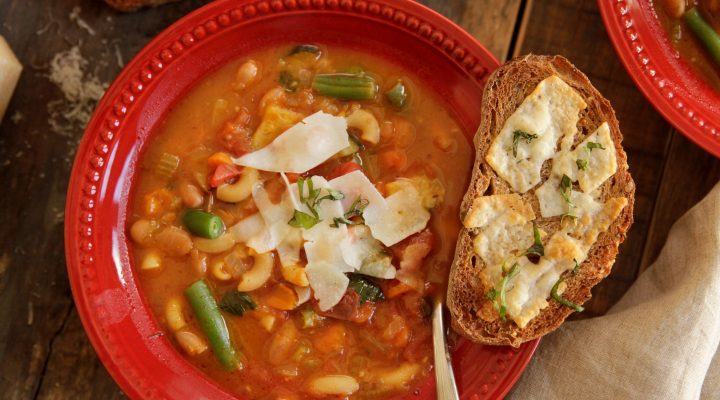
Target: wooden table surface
x,y
44,352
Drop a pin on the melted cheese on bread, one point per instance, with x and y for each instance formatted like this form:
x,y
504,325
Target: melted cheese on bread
x,y
503,223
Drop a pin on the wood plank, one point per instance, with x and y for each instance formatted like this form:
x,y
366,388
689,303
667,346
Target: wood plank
x,y
577,33
491,22
689,174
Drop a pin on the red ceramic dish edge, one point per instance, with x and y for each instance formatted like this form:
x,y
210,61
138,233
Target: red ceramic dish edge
x,y
98,147
675,90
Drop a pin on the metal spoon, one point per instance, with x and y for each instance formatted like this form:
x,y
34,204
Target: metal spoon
x,y
444,376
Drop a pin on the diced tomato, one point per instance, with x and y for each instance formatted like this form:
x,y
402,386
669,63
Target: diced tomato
x,y
345,309
342,169
396,288
292,177
411,252
236,135
331,339
224,173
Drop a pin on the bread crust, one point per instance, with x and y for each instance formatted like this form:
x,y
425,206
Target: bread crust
x,y
472,313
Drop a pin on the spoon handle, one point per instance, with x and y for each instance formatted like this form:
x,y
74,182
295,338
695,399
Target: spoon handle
x,y
444,377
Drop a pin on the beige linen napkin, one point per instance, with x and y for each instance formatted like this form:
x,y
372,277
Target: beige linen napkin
x,y
658,342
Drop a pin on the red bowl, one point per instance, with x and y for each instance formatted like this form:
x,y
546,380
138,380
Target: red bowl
x,y
671,85
115,314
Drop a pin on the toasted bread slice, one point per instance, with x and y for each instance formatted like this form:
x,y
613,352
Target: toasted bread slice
x,y
474,314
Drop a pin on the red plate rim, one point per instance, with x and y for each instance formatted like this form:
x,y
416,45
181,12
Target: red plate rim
x,y
675,90
84,235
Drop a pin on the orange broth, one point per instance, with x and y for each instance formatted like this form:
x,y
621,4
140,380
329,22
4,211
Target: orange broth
x,y
282,354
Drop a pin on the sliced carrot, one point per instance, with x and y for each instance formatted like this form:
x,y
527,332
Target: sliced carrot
x,y
157,202
281,297
331,339
397,289
219,158
364,312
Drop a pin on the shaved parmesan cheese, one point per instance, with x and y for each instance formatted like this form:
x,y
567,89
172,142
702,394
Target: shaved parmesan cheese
x,y
550,112
328,284
328,251
303,294
402,215
304,146
366,253
509,234
601,162
289,248
356,184
10,69
248,228
275,216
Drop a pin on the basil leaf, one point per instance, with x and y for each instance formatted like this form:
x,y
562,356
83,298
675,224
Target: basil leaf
x,y
303,220
364,287
537,250
502,309
592,145
519,134
557,297
582,164
237,303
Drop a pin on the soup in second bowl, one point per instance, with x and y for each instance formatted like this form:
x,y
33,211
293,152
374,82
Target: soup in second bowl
x,y
293,216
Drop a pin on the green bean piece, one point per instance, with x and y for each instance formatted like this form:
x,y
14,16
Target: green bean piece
x,y
397,95
345,86
704,32
213,324
203,224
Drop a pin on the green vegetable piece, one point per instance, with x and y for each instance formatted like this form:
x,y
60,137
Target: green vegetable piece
x,y
166,165
517,136
355,146
537,250
203,224
582,164
345,86
501,306
303,220
592,145
306,48
213,324
367,289
705,32
288,82
310,318
237,303
557,297
356,210
397,95
566,188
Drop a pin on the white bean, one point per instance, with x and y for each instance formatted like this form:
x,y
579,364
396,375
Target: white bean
x,y
246,74
191,195
334,385
191,343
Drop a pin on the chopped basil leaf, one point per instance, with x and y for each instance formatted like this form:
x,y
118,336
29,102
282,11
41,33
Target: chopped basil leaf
x,y
557,297
366,288
514,270
582,164
288,82
356,210
592,145
568,215
566,192
312,202
237,303
537,250
517,135
303,220
576,268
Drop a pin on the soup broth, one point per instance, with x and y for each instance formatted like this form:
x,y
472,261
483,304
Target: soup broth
x,y
193,207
